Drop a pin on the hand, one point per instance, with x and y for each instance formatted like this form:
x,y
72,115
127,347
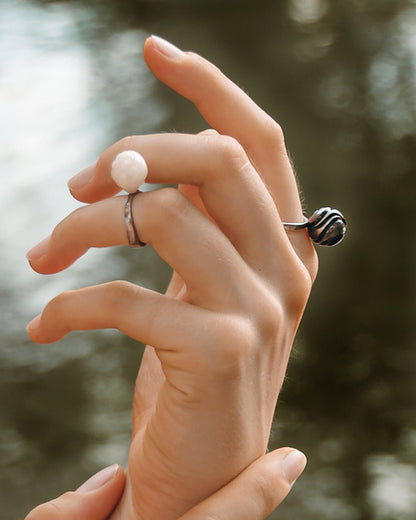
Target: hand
x,y
94,500
222,335
252,495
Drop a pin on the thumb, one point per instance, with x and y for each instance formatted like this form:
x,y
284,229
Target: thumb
x,y
93,500
256,492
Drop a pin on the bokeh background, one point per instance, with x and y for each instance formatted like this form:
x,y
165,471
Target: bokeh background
x,y
341,79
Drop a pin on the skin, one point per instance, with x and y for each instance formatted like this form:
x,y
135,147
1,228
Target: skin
x,y
251,496
221,335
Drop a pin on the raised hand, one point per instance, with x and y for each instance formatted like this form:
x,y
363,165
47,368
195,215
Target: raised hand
x,y
222,335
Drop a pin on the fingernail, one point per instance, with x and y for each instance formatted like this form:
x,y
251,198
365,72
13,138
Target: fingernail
x,y
99,479
34,324
38,251
166,48
293,465
81,179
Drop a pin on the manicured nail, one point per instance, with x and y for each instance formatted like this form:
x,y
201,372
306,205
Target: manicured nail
x,y
166,48
34,324
99,479
81,179
293,465
38,251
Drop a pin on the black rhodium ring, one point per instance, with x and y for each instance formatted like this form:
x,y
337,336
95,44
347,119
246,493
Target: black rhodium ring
x,y
325,226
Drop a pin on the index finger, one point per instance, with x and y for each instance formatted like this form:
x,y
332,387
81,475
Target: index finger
x,y
231,112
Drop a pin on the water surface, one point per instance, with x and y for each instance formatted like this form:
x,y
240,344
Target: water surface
x,y
340,77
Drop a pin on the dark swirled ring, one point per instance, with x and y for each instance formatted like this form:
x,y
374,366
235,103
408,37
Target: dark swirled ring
x,y
326,226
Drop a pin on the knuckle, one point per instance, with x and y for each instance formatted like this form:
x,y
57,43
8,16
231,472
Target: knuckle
x,y
269,318
118,286
298,293
58,304
229,350
68,228
162,207
59,313
231,154
212,75
312,264
273,135
168,198
107,157
264,487
125,143
116,293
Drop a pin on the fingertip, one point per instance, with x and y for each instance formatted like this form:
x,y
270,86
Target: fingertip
x,y
164,48
38,334
93,183
292,464
79,182
152,58
37,253
106,476
147,43
209,131
33,326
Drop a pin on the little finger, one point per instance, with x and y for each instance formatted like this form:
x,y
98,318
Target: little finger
x,y
140,313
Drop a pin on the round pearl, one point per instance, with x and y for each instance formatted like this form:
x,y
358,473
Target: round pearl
x,y
129,170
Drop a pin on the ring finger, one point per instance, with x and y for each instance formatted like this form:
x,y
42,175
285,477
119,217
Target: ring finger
x,y
185,238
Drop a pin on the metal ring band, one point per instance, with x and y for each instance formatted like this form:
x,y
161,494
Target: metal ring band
x,y
293,226
132,236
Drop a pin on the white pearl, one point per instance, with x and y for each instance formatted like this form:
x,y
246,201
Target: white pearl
x,y
129,170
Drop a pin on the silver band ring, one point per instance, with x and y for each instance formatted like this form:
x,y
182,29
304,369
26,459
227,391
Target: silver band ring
x,y
326,226
132,236
293,226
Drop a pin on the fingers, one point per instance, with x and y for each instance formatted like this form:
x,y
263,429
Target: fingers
x,y
181,235
94,500
142,314
231,190
256,492
230,111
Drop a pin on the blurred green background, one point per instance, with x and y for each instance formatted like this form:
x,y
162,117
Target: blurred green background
x,y
340,77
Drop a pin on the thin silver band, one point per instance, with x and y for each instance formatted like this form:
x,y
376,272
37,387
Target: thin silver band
x,y
132,236
293,226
